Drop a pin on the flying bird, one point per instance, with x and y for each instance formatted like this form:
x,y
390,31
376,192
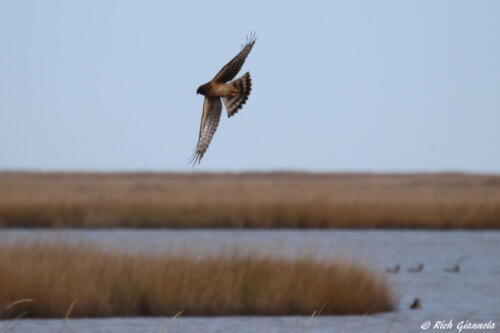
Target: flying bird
x,y
233,94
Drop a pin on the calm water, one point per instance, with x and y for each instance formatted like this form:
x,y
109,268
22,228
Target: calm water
x,y
472,295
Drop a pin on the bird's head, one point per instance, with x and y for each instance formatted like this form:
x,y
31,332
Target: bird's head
x,y
203,89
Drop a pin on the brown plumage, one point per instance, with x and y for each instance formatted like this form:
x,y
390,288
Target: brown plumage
x,y
234,94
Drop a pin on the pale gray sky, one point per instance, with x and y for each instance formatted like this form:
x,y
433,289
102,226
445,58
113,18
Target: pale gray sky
x,y
338,85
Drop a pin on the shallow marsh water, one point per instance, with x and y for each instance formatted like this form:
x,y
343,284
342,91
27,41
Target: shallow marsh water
x,y
471,295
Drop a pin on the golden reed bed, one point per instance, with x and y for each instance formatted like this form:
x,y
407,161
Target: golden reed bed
x,y
249,200
110,283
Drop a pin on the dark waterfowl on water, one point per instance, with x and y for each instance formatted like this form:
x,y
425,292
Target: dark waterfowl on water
x,y
454,269
416,304
417,269
394,269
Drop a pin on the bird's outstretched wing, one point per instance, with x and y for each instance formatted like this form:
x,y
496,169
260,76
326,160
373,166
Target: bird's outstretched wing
x,y
212,108
229,71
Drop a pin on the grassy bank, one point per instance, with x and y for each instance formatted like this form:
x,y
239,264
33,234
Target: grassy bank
x,y
107,283
249,200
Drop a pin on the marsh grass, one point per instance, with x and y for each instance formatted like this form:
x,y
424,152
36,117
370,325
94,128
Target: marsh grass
x,y
249,200
94,282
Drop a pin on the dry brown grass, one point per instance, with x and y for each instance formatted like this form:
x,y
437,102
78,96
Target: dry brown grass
x,y
249,200
109,283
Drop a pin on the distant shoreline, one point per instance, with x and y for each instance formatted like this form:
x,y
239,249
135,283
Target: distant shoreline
x,y
249,200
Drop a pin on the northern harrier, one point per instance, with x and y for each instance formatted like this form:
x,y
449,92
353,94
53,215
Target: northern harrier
x,y
234,94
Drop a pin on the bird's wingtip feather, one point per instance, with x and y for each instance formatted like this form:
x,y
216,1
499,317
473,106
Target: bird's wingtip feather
x,y
195,159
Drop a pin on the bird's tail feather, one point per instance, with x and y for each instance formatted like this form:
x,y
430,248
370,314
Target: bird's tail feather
x,y
244,86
